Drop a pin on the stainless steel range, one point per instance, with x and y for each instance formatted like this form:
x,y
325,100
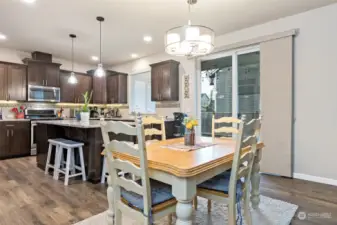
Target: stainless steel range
x,y
34,115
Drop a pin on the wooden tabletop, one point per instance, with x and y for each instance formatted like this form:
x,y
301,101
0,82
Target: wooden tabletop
x,y
186,164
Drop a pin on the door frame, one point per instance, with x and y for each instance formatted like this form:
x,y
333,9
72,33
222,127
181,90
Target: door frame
x,y
234,53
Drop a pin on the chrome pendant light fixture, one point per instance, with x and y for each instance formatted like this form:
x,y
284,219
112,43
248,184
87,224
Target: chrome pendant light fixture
x,y
72,78
100,72
189,40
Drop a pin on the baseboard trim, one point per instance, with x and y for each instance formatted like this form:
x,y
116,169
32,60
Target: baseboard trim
x,y
322,180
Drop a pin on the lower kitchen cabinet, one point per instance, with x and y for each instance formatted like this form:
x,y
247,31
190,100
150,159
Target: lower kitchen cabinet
x,y
14,139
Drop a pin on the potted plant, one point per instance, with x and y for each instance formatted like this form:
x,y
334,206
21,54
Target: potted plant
x,y
19,112
85,112
190,123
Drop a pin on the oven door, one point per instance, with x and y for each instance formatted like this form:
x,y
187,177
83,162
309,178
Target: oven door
x,y
43,94
33,138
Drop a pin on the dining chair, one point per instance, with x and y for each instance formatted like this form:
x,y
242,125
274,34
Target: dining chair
x,y
221,129
144,200
150,121
233,186
224,125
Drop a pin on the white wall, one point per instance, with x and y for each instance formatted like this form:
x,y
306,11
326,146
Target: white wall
x,y
15,56
315,83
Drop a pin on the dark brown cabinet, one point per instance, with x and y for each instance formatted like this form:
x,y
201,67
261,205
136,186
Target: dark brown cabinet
x,y
117,88
84,84
42,73
67,90
14,139
73,93
165,81
3,82
17,82
13,82
99,88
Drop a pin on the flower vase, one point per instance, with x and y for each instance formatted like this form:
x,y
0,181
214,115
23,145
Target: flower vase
x,y
190,137
20,115
85,117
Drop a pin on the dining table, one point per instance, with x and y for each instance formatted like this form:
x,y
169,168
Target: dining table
x,y
185,169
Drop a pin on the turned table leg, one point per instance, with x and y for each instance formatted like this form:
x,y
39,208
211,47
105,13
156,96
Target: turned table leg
x,y
184,190
255,180
110,195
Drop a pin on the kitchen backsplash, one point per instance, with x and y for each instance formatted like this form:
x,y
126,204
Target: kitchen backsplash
x,y
162,109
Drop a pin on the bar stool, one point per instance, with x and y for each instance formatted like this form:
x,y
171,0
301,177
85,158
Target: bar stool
x,y
52,143
70,163
104,170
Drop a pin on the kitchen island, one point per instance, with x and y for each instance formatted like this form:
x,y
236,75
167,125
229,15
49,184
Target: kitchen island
x,y
87,133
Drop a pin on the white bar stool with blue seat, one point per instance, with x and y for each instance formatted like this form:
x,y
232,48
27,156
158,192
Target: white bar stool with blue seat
x,y
71,167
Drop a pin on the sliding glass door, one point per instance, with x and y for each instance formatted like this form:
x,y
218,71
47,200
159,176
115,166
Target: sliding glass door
x,y
229,86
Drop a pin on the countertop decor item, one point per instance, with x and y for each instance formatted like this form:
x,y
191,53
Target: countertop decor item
x,y
85,111
19,112
189,40
190,124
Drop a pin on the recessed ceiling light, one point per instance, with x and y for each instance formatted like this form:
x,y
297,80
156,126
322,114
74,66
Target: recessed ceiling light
x,y
95,58
147,39
29,1
134,55
3,37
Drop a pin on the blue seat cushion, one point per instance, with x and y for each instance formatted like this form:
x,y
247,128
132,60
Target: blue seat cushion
x,y
66,141
160,193
220,183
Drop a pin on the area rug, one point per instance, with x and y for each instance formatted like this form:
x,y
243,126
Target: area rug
x,y
270,212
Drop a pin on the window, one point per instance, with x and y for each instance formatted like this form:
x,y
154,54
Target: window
x,y
140,93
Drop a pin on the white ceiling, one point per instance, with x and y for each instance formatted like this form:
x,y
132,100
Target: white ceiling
x,y
46,25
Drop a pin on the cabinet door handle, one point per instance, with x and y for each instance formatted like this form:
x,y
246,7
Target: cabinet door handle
x,y
12,133
9,96
7,133
46,82
10,125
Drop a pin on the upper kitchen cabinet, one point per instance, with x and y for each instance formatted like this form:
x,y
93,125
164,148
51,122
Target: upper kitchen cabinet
x,y
13,82
99,88
84,84
117,88
17,82
67,89
165,81
73,93
41,73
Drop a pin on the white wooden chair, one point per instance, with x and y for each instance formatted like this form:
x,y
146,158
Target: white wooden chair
x,y
149,121
233,186
144,200
233,130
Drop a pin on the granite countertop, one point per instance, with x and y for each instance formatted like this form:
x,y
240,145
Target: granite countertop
x,y
14,120
74,123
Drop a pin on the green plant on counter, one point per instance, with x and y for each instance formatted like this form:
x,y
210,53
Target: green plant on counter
x,y
87,99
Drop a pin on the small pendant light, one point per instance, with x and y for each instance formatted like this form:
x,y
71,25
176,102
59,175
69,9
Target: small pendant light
x,y
100,72
72,79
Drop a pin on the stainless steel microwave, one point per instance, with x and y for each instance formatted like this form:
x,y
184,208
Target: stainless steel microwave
x,y
43,94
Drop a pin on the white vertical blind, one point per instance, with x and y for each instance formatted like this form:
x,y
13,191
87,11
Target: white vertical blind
x,y
277,100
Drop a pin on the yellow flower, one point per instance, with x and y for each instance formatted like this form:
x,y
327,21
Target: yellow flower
x,y
189,126
195,122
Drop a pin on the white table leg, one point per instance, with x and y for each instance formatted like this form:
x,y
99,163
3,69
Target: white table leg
x,y
255,180
110,195
184,191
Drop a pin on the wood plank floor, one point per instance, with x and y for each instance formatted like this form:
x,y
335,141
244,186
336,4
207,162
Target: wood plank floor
x,y
28,197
